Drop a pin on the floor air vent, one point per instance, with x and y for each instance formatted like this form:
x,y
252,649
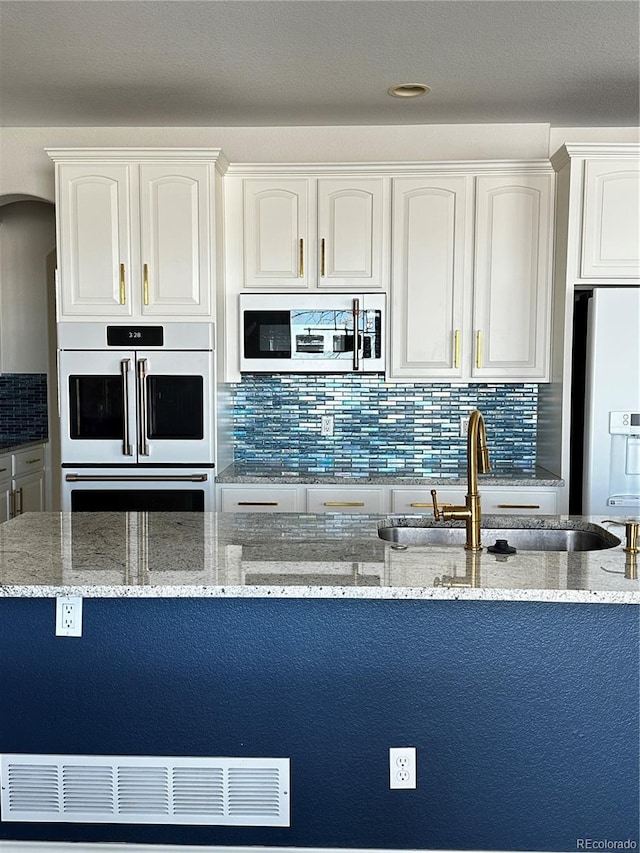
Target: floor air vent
x,y
145,789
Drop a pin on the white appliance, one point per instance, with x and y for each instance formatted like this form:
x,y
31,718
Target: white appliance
x,y
312,333
611,461
136,416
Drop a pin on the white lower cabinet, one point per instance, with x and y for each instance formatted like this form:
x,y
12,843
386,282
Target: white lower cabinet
x,y
379,500
355,499
5,488
258,499
22,482
495,500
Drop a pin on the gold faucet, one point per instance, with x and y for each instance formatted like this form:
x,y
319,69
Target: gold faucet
x,y
477,462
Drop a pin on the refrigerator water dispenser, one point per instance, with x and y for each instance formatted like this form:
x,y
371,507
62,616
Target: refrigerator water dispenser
x,y
624,470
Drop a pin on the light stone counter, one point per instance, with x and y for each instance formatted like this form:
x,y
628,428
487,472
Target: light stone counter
x,y
277,475
114,555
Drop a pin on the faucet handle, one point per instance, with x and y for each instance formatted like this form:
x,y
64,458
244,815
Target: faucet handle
x,y
438,509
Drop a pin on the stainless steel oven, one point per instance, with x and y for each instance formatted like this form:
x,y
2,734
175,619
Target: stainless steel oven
x,y
136,415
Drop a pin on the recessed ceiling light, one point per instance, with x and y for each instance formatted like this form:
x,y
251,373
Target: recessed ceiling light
x,y
408,90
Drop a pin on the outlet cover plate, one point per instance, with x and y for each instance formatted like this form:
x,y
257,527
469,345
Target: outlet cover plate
x,y
69,616
402,767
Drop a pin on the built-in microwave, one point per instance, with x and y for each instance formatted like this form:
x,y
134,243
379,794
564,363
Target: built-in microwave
x,y
312,333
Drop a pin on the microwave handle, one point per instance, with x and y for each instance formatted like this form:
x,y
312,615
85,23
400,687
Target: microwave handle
x,y
356,334
125,366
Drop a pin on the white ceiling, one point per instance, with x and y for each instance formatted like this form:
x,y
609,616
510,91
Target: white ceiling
x,y
231,63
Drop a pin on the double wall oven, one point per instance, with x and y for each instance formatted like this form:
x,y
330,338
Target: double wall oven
x,y
137,416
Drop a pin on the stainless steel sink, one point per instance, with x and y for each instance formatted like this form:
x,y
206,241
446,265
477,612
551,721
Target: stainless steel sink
x,y
522,538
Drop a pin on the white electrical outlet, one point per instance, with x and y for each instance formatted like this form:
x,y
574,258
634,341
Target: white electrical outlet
x,y
464,424
326,425
403,768
69,616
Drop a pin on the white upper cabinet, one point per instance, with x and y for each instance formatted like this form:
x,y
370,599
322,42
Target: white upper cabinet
x,y
611,224
598,215
353,217
431,251
276,233
136,233
471,283
512,277
94,227
306,232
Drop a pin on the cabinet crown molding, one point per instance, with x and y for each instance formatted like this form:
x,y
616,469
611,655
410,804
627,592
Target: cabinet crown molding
x,y
570,150
215,156
389,168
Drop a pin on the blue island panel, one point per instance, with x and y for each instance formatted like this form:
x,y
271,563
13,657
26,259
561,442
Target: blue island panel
x,y
524,715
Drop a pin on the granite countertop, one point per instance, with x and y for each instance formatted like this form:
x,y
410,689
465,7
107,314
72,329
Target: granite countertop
x,y
284,555
265,474
9,444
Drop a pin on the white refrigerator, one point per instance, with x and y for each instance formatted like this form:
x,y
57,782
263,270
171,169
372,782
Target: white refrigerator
x,y
611,449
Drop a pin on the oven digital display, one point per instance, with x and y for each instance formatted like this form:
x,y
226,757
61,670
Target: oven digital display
x,y
127,336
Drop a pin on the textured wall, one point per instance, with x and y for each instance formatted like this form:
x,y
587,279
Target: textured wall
x,y
379,427
525,716
23,407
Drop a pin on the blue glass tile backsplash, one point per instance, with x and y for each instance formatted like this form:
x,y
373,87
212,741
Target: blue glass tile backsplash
x,y
379,427
23,407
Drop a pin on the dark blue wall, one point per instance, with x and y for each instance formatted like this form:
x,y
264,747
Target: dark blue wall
x,y
525,716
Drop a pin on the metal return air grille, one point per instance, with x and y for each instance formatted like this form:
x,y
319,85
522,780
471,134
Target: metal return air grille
x,y
145,789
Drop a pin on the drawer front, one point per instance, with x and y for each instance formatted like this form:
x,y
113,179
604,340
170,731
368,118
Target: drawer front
x,y
274,499
519,502
346,500
5,469
419,502
28,461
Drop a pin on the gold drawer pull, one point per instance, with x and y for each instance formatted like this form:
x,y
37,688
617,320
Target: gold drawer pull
x,y
343,503
3,469
31,461
518,506
257,503
420,504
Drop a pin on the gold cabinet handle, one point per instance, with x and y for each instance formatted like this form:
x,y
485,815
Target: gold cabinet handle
x,y
123,291
322,264
3,469
343,503
478,349
456,348
257,503
31,461
518,506
418,504
145,284
301,258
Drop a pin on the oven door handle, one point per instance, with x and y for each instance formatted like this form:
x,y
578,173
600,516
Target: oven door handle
x,y
125,367
143,447
133,478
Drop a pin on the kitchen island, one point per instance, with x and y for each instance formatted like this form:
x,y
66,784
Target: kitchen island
x,y
309,638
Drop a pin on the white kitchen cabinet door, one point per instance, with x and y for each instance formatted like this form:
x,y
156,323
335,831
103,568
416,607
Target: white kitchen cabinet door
x,y
431,246
176,233
512,278
352,235
28,493
258,498
277,253
5,488
94,240
354,500
611,224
